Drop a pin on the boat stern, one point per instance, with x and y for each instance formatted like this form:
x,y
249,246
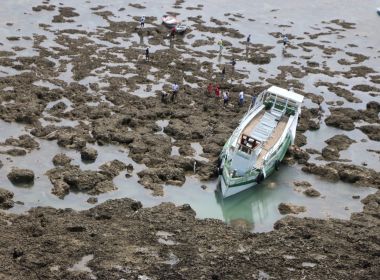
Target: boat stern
x,y
230,186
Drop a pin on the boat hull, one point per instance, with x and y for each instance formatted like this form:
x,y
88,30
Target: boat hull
x,y
228,191
170,21
231,186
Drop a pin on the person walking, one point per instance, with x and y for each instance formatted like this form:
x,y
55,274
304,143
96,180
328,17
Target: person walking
x,y
220,44
217,91
285,41
233,62
226,98
253,101
249,40
241,98
147,54
142,21
210,88
172,32
223,72
175,89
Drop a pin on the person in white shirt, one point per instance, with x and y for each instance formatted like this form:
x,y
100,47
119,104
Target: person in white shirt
x,y
142,21
175,89
241,98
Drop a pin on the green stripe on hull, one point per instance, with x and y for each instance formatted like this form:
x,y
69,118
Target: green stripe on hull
x,y
269,167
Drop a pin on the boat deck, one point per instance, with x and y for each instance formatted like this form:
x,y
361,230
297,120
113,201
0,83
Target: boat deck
x,y
272,139
275,136
255,121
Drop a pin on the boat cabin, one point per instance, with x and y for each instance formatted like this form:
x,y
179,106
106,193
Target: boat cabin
x,y
281,101
267,126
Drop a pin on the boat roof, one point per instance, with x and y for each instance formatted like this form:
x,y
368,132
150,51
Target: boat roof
x,y
291,95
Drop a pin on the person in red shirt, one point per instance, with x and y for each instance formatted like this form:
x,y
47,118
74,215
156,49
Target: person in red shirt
x,y
217,91
172,32
210,88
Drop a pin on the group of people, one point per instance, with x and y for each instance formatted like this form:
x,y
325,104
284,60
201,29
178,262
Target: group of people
x,y
226,94
173,96
211,88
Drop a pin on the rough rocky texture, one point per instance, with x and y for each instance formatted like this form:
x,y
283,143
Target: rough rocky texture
x,y
346,172
302,184
288,208
21,176
6,201
372,131
61,160
24,141
312,192
121,234
68,177
89,154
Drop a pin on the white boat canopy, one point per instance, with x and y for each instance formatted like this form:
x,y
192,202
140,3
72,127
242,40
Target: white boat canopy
x,y
286,94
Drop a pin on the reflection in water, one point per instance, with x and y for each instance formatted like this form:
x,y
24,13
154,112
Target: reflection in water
x,y
259,205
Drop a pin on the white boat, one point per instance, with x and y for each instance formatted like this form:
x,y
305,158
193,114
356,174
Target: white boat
x,y
181,28
259,143
170,21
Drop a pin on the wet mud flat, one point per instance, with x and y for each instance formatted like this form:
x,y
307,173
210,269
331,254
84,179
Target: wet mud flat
x,y
120,240
82,121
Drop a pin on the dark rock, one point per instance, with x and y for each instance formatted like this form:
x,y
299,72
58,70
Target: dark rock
x,y
61,160
326,172
60,188
372,131
340,142
330,153
21,176
312,192
76,228
92,200
288,208
304,184
15,152
112,168
89,154
6,201
136,205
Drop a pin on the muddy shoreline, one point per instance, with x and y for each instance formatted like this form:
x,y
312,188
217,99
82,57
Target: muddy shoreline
x,y
86,90
168,242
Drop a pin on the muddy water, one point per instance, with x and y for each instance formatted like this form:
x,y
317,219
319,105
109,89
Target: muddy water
x,y
257,207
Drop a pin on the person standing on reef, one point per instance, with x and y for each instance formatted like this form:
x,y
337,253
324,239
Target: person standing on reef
x,y
210,89
285,41
248,40
233,62
172,32
217,91
241,98
253,101
220,44
175,89
223,72
142,21
147,54
226,98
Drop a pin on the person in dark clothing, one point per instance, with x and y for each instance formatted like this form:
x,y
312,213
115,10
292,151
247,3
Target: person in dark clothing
x,y
210,89
172,32
147,54
248,39
223,73
226,98
175,89
233,62
142,21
